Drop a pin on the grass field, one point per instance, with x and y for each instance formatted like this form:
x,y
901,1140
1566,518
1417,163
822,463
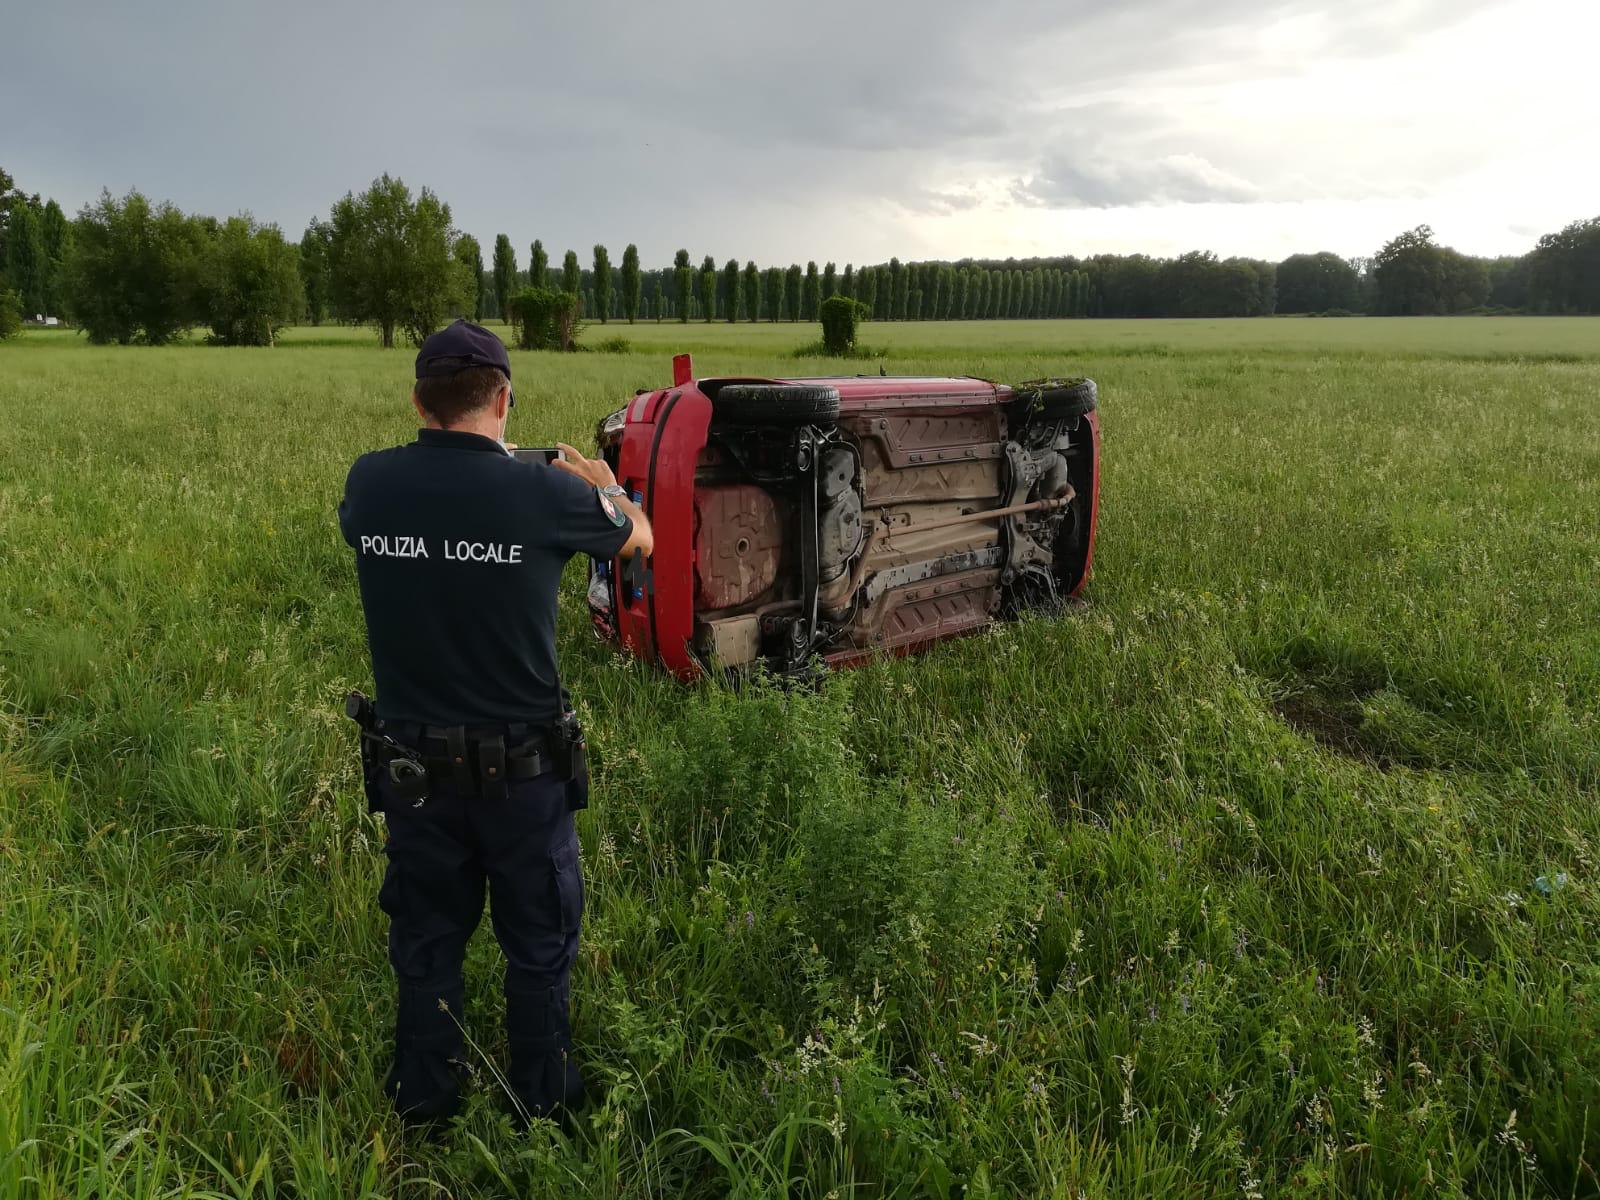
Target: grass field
x,y
1273,871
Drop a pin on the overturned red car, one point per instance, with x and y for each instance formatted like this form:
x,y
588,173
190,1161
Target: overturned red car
x,y
831,519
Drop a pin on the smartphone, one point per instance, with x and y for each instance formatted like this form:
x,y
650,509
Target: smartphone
x,y
539,454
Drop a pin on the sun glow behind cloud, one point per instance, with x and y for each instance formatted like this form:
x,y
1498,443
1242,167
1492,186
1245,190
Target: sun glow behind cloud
x,y
1486,129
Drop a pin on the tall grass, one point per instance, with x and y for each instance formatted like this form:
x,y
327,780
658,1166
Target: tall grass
x,y
1246,878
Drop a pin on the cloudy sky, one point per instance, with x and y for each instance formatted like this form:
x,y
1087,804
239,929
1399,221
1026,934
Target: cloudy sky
x,y
834,129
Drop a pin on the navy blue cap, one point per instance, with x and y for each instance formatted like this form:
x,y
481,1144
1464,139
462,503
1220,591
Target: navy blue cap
x,y
459,346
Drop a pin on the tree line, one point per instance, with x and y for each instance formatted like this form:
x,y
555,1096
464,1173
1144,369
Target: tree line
x,y
128,269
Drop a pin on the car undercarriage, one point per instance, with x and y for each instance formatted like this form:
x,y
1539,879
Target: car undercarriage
x,y
827,520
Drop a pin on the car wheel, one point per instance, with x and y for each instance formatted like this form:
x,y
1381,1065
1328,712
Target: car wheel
x,y
1051,399
776,404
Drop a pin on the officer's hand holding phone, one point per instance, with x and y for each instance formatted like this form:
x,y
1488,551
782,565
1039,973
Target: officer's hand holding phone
x,y
595,471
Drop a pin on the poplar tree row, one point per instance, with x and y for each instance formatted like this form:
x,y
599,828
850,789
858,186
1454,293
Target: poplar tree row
x,y
894,291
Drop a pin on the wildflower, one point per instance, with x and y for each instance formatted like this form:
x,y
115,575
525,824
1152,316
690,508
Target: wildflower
x,y
1372,1090
1128,1111
749,919
1508,1136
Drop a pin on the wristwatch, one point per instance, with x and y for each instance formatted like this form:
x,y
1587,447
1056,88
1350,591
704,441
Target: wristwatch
x,y
614,489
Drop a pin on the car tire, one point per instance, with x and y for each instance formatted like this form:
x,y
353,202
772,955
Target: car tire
x,y
776,404
1051,399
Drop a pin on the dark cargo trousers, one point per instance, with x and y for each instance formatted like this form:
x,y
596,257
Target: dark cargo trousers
x,y
441,855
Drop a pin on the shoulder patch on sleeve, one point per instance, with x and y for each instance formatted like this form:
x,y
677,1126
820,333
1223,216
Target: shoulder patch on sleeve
x,y
613,513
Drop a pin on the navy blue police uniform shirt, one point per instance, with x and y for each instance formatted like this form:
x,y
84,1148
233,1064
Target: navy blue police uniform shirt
x,y
459,552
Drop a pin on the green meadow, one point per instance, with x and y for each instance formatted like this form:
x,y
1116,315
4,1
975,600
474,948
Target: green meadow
x,y
1272,870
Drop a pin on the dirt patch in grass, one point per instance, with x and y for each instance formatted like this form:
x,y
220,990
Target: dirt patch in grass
x,y
1332,718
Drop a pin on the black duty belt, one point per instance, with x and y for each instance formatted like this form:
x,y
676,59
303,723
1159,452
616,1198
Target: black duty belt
x,y
477,759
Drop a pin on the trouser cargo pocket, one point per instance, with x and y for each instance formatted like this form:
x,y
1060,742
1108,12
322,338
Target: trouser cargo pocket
x,y
568,877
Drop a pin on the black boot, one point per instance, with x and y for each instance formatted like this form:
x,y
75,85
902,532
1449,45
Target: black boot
x,y
423,1085
544,1076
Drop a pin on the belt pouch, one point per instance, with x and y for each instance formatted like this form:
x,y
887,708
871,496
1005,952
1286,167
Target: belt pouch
x,y
455,740
492,767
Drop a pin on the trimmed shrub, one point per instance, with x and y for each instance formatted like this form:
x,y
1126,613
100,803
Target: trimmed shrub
x,y
841,319
543,319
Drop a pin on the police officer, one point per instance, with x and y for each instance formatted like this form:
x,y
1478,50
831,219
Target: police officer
x,y
469,748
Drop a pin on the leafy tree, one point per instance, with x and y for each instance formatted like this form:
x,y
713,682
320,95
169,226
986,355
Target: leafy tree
x,y
602,283
1508,281
683,283
895,306
791,291
730,291
470,255
752,292
772,293
655,300
830,282
248,283
937,300
1409,272
571,274
539,266
1266,286
1235,290
811,295
1316,283
847,285
867,288
10,313
505,272
54,235
390,263
1465,284
1564,270
314,244
27,269
131,270
708,288
9,198
630,283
